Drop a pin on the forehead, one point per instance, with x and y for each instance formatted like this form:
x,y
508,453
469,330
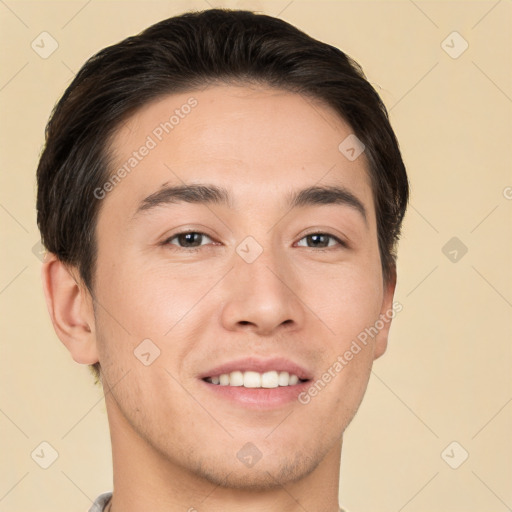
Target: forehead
x,y
263,142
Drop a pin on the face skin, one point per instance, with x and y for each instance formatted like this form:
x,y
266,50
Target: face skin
x,y
175,439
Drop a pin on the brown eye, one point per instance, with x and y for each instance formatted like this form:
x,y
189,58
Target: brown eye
x,y
188,240
321,241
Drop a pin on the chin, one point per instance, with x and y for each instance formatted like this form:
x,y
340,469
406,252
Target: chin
x,y
266,474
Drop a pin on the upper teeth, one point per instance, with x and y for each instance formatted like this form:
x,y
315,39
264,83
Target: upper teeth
x,y
271,379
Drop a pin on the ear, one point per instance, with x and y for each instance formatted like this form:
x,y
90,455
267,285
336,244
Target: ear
x,y
387,313
70,308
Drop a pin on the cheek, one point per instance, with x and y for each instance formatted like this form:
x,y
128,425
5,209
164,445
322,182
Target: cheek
x,y
347,301
151,311
145,302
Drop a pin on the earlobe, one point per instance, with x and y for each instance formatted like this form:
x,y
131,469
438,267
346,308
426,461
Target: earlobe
x,y
70,309
386,315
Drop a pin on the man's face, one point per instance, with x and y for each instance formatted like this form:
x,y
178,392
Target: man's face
x,y
262,286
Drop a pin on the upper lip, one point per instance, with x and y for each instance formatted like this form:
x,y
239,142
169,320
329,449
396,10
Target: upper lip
x,y
248,364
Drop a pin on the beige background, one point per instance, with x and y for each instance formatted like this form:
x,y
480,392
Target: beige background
x,y
447,374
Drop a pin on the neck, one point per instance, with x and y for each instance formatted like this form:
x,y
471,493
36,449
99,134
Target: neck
x,y
144,479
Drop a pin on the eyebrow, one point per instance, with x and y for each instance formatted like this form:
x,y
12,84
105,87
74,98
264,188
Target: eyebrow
x,y
213,194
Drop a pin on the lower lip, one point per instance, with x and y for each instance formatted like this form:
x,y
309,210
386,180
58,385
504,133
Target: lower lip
x,y
258,398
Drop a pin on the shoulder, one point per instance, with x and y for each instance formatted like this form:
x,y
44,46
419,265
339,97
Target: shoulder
x,y
100,502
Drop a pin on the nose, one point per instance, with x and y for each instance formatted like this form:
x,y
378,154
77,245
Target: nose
x,y
262,297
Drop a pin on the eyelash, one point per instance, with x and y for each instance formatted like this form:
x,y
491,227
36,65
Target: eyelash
x,y
167,242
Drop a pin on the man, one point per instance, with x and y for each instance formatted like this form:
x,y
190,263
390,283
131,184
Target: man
x,y
221,197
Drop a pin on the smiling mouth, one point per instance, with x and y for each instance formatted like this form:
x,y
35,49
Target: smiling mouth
x,y
251,379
